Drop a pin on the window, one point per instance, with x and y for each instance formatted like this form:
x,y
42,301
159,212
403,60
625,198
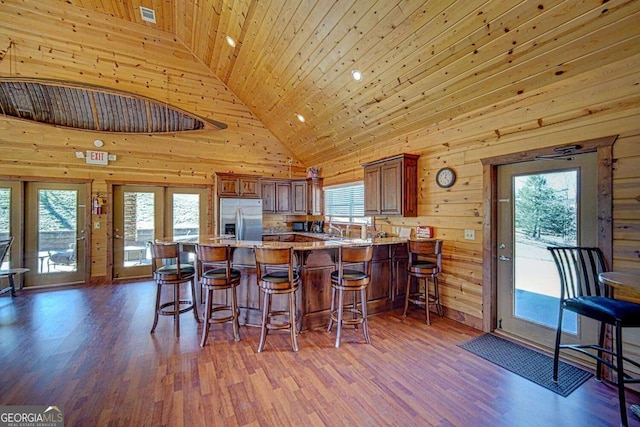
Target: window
x,y
345,203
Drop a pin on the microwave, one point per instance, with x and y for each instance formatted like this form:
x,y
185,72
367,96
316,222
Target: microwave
x,y
300,225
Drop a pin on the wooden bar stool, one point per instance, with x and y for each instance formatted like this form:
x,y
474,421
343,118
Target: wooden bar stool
x,y
351,279
276,275
216,274
168,271
425,262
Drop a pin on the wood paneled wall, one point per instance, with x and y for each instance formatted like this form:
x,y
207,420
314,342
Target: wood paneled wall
x,y
70,44
73,46
596,104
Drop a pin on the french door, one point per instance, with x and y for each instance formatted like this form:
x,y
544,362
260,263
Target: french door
x,y
143,214
54,218
541,204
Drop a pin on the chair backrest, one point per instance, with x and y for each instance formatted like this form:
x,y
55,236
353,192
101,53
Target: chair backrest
x,y
355,254
213,256
578,268
5,245
425,250
164,253
270,259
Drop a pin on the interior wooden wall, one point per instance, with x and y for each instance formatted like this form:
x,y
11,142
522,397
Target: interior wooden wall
x,y
93,50
68,45
591,105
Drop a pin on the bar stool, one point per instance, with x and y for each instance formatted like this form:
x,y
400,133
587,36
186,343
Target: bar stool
x,y
351,280
276,275
216,274
425,262
168,271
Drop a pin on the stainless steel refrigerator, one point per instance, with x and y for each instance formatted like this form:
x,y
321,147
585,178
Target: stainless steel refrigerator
x,y
242,218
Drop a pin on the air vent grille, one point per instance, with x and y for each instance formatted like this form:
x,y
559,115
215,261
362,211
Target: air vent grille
x,y
147,14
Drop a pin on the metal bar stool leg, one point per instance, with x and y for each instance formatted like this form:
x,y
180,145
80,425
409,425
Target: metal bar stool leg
x,y
339,308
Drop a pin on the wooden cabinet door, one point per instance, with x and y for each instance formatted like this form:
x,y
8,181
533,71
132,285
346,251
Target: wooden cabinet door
x,y
249,187
315,197
299,197
228,187
391,188
268,196
283,197
378,289
372,190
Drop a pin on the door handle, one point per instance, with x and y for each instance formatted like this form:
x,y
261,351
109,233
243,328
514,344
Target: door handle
x,y
80,238
504,258
117,236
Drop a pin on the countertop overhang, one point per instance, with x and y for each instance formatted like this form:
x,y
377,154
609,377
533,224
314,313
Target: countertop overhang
x,y
326,243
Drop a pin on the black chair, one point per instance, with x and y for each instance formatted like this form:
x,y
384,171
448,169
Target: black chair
x,y
584,294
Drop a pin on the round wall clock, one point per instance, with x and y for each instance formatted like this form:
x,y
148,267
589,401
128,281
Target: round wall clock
x,y
445,177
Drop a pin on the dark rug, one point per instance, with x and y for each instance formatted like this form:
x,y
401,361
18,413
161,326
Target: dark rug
x,y
527,363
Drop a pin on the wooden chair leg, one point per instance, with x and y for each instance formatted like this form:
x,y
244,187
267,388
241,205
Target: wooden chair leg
x,y
426,300
339,308
406,297
194,302
176,308
157,313
292,320
332,309
236,313
207,316
265,318
365,323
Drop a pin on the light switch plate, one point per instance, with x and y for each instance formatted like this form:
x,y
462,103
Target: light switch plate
x,y
470,234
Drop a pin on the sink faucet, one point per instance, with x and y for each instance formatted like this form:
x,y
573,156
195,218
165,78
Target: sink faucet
x,y
333,227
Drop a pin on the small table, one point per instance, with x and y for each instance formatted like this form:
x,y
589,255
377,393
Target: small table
x,y
619,279
9,275
628,281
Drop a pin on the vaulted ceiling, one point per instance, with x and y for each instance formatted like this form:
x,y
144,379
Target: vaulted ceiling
x,y
423,62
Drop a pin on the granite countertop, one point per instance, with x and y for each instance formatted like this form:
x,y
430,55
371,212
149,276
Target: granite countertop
x,y
328,242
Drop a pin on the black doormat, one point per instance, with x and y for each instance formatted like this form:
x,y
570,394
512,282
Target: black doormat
x,y
527,363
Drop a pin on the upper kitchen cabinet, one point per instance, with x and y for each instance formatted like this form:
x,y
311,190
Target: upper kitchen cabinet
x,y
299,197
236,185
276,196
391,186
315,197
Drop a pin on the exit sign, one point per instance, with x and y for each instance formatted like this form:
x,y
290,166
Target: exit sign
x,y
97,157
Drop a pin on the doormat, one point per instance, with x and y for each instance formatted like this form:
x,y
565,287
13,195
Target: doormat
x,y
530,364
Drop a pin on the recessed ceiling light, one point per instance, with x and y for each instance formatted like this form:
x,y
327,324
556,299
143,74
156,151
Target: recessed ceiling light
x,y
357,75
231,41
300,117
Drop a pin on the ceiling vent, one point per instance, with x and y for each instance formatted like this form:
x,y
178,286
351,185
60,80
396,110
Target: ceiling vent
x,y
148,15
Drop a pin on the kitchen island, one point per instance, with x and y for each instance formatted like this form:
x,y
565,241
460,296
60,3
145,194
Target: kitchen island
x,y
316,256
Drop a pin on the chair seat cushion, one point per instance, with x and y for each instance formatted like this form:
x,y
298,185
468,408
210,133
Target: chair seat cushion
x,y
349,275
169,272
220,274
606,309
278,277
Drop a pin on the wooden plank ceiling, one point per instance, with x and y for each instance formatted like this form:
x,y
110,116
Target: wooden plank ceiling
x,y
423,62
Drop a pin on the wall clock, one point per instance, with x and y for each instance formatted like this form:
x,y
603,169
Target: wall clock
x,y
445,177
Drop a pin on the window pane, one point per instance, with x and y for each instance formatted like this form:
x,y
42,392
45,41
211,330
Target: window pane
x,y
345,203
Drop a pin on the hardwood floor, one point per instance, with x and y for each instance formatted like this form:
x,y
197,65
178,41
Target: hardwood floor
x,y
89,350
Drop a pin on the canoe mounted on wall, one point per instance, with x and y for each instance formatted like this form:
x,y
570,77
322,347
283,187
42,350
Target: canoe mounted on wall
x,y
94,108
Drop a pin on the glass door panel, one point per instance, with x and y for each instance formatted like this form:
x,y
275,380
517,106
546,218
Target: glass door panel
x,y
541,204
143,214
137,220
10,214
55,233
